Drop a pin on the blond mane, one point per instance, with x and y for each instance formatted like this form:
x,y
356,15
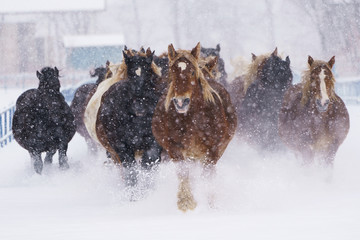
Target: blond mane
x,y
252,70
207,90
203,66
306,81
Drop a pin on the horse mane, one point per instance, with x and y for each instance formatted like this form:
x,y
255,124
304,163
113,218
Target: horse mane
x,y
203,66
306,81
207,90
119,71
240,66
252,70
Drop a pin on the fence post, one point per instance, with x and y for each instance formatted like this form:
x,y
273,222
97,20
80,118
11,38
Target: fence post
x,y
6,126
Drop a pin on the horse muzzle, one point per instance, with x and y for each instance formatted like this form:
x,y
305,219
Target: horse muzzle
x,y
322,107
181,104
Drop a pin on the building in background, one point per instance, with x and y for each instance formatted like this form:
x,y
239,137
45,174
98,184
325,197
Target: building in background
x,y
37,33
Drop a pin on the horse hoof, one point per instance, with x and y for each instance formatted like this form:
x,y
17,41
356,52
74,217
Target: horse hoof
x,y
186,204
38,166
64,166
47,162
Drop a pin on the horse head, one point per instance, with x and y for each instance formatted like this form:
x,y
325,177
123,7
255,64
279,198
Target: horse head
x,y
274,72
183,74
208,67
141,74
219,71
49,78
320,82
187,82
206,52
99,72
139,68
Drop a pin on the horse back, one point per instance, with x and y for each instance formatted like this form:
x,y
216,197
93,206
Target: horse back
x,y
78,106
42,120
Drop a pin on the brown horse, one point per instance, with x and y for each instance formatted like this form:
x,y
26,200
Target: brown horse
x,y
313,120
194,120
81,98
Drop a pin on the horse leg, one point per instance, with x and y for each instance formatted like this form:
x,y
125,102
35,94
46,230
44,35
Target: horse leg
x,y
37,162
308,156
208,174
63,159
127,157
330,154
49,157
151,156
186,199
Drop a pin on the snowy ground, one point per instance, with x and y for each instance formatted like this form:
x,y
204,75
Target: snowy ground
x,y
257,198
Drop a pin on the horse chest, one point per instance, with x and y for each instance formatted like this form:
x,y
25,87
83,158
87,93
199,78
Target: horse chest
x,y
193,133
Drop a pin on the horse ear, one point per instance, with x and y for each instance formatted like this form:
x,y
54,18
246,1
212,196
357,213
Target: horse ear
x,y
332,62
148,52
171,52
275,52
39,75
253,57
142,49
287,60
125,48
107,63
218,47
196,51
149,55
310,60
212,63
126,57
56,72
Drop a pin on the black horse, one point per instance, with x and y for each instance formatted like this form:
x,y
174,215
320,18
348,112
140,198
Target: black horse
x,y
220,73
259,110
80,101
126,112
43,121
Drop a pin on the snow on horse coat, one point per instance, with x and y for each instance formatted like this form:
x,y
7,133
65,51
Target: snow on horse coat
x,y
194,119
313,120
43,121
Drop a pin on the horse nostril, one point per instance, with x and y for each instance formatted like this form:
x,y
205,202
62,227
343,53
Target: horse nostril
x,y
326,102
186,101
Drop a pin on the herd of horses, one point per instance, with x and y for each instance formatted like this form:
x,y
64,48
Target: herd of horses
x,y
180,106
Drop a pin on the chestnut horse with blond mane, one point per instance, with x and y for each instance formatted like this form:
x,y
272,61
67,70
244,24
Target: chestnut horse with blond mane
x,y
194,120
313,120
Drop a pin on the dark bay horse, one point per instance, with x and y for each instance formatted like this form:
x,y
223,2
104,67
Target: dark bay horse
x,y
124,118
194,120
313,120
219,71
261,96
43,121
81,98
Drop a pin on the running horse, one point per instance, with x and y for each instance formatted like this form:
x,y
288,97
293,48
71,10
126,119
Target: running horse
x,y
124,115
258,100
43,121
193,120
81,98
313,120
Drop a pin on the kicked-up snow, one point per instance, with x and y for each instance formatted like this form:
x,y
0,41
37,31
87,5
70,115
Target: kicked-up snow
x,y
257,197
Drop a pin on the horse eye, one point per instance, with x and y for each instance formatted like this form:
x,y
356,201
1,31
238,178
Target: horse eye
x,y
193,73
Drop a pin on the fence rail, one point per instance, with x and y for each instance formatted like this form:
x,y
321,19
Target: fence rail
x,y
6,117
